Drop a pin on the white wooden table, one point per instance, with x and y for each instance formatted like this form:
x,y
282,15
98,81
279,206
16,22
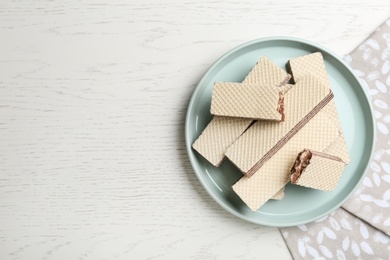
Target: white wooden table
x,y
93,97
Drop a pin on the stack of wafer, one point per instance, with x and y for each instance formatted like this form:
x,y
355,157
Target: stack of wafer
x,y
268,128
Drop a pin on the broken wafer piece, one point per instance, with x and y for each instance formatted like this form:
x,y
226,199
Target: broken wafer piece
x,y
316,170
221,132
247,101
313,64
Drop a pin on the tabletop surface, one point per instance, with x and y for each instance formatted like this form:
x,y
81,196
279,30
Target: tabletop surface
x,y
93,97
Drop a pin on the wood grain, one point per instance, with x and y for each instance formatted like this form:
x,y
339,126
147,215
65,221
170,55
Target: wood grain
x,y
93,97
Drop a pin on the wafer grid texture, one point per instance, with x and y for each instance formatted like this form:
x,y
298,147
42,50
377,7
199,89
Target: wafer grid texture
x,y
321,173
267,73
311,64
245,100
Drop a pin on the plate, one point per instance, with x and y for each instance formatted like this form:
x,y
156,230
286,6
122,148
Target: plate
x,y
300,205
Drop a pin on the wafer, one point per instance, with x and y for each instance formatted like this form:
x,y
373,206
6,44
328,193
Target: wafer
x,y
247,101
316,170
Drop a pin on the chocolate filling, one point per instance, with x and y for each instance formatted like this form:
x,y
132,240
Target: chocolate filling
x,y
281,105
290,134
289,70
300,164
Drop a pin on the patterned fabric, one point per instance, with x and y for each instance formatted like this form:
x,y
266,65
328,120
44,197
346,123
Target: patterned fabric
x,y
340,235
361,228
371,63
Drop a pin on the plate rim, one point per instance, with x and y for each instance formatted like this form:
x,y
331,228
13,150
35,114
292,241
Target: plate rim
x,y
197,89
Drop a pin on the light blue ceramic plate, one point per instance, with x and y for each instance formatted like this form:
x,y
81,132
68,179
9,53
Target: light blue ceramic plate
x,y
300,205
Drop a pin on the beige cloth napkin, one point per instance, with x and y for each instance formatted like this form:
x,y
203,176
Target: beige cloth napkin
x,y
361,228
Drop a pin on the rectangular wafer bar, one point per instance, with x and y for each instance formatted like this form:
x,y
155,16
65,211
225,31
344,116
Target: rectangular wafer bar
x,y
247,101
